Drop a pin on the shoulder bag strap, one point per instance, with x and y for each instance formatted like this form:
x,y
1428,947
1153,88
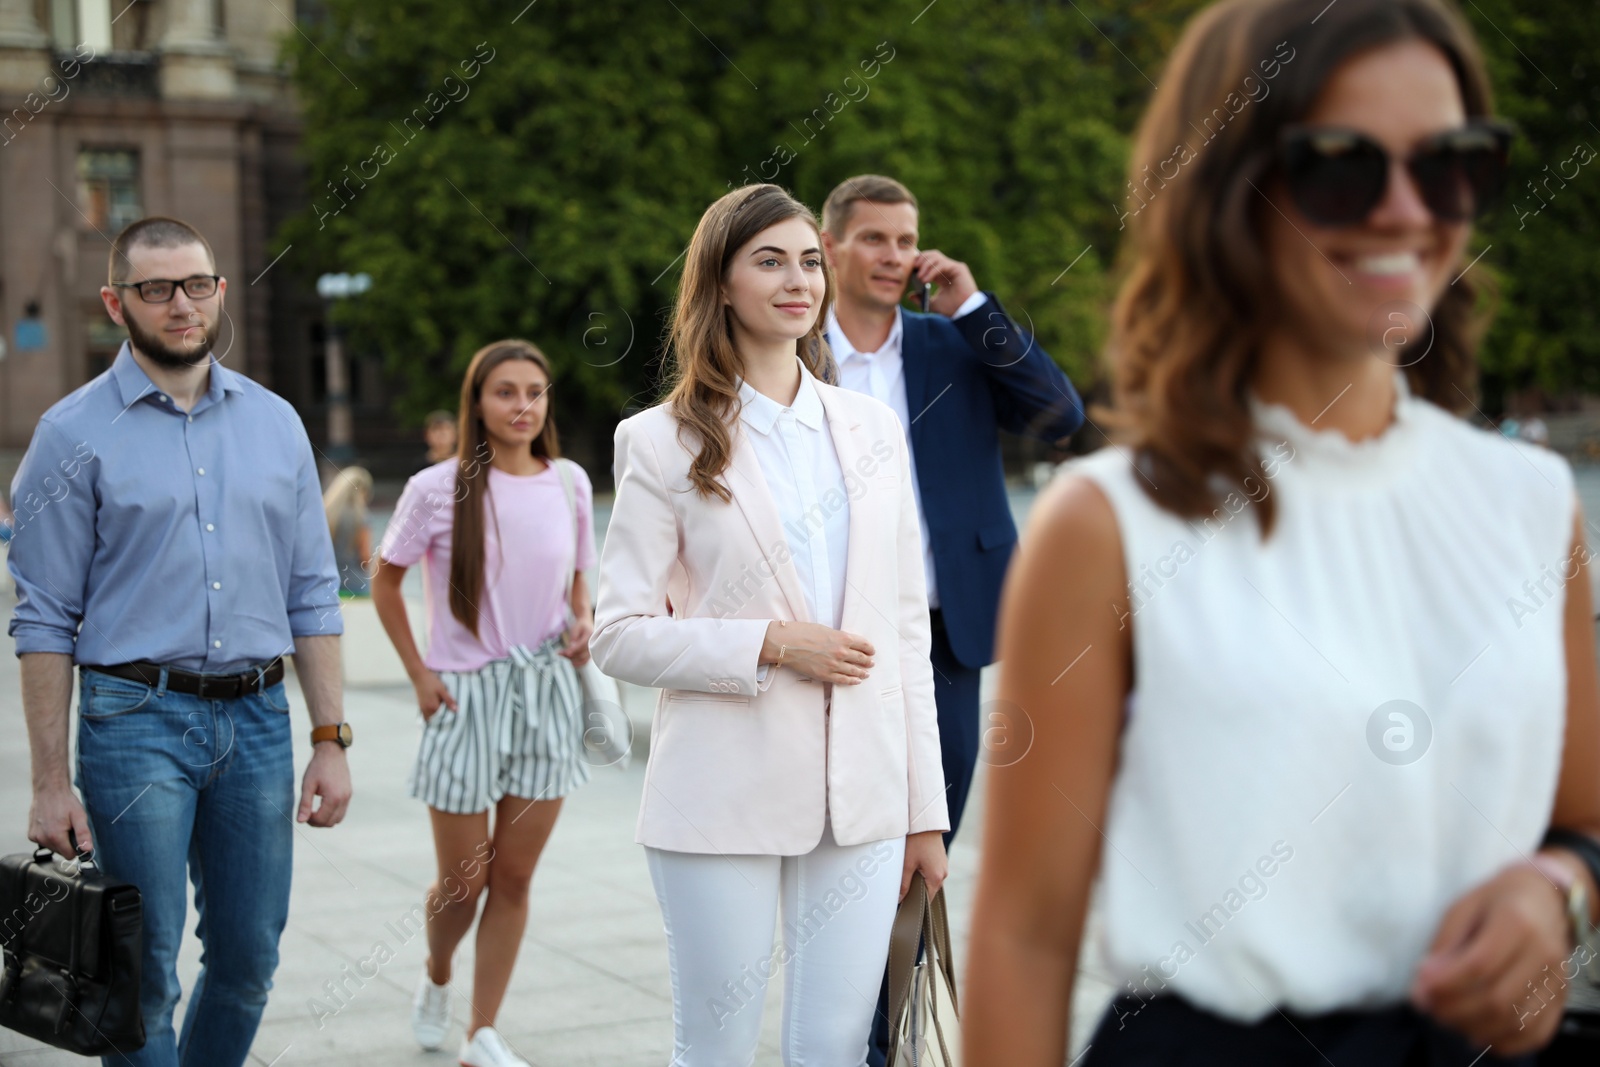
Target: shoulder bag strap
x,y
572,510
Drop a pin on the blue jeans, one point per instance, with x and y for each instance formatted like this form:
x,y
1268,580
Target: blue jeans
x,y
172,781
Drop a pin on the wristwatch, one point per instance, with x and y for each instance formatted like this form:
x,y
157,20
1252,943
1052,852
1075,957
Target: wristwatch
x,y
339,732
1571,887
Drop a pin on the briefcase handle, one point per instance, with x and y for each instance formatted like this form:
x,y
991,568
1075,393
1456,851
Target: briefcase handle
x,y
84,857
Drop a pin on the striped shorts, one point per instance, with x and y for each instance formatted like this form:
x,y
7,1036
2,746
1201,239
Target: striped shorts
x,y
517,730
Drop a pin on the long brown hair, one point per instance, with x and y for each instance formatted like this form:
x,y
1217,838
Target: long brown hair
x,y
703,366
1190,318
473,456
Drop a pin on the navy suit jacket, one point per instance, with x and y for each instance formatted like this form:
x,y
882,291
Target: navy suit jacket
x,y
966,379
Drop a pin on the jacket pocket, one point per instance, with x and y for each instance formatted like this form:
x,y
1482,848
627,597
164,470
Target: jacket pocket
x,y
695,696
996,535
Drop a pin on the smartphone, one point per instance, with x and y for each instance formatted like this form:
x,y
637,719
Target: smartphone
x,y
922,295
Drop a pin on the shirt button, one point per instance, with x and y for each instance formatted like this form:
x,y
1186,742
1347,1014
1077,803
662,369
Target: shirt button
x,y
191,418
216,585
200,470
163,398
216,644
209,527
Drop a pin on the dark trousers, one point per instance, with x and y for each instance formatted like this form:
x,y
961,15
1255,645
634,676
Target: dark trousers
x,y
1166,1030
1576,1044
955,692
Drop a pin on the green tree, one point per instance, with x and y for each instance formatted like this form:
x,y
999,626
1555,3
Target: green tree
x,y
553,198
1541,245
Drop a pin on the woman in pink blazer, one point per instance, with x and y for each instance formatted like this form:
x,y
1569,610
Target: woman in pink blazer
x,y
763,569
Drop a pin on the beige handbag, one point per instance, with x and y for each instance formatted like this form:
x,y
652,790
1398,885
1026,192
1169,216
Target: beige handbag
x,y
607,730
923,1011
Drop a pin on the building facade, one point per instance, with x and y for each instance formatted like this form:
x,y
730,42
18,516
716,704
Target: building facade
x,y
111,110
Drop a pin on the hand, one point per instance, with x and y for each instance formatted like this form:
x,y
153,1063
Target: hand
x,y
952,281
925,853
819,652
431,692
328,777
1493,942
55,811
577,646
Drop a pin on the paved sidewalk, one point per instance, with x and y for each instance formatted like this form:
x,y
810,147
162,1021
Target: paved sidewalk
x,y
591,986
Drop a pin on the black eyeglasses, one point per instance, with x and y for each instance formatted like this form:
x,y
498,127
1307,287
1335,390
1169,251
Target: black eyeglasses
x,y
1337,176
162,290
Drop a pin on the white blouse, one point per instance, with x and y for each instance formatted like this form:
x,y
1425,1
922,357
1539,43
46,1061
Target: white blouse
x,y
1339,732
807,483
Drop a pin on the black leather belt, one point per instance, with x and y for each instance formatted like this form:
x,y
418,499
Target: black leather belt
x,y
205,686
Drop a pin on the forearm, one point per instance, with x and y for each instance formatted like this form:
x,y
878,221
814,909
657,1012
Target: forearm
x,y
1034,397
658,651
582,605
1017,1000
396,621
46,704
316,660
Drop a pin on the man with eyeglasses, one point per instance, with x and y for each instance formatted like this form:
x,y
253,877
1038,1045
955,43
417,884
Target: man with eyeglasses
x,y
171,542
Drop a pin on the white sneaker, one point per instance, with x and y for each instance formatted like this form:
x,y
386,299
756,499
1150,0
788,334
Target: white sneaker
x,y
488,1049
430,1013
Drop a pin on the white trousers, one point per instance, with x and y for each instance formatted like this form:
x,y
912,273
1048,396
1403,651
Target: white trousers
x,y
719,911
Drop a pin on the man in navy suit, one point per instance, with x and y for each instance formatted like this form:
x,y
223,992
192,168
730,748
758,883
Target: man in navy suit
x,y
956,375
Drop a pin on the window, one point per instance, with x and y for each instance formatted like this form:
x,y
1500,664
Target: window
x,y
108,188
82,21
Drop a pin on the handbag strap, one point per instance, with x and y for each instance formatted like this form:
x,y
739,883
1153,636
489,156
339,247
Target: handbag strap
x,y
572,511
903,938
936,936
936,930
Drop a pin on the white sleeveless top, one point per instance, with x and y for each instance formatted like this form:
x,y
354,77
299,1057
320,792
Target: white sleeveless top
x,y
1279,834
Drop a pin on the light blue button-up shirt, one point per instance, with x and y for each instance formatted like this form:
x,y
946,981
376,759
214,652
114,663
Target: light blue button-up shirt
x,y
192,539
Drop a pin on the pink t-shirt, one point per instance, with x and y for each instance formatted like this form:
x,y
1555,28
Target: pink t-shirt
x,y
523,590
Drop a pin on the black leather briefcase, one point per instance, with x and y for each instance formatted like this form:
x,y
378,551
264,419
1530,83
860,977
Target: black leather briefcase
x,y
71,938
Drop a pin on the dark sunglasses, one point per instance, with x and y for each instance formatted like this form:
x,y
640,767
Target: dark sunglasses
x,y
1337,176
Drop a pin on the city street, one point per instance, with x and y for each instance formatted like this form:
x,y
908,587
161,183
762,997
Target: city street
x,y
591,986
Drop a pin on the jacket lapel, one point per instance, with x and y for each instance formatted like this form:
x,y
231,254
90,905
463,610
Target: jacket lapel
x,y
848,442
751,493
914,360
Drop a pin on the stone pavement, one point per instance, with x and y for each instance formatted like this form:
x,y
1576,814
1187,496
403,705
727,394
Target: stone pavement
x,y
591,985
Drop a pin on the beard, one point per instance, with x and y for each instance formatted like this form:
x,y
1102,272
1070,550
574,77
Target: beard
x,y
165,355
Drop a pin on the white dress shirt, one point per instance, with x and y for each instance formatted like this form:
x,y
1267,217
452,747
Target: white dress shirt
x,y
802,470
881,375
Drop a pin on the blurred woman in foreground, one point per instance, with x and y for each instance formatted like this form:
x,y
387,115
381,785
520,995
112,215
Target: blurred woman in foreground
x,y
1309,654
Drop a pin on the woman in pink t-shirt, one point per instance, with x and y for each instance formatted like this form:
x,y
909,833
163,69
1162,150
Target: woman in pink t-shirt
x,y
498,688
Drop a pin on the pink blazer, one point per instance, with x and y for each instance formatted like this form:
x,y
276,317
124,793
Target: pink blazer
x,y
687,587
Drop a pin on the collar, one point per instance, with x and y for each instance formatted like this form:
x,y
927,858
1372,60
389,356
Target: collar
x,y
134,384
1330,448
843,349
761,412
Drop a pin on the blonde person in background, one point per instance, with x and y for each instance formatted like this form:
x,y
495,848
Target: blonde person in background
x,y
440,432
763,568
345,502
498,689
